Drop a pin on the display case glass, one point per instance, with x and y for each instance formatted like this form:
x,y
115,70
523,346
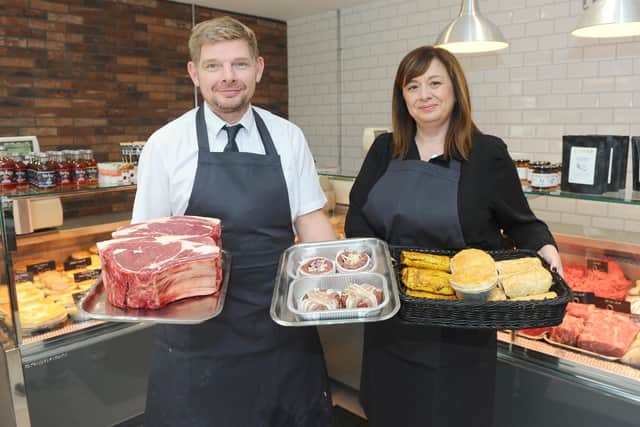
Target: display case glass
x,y
50,258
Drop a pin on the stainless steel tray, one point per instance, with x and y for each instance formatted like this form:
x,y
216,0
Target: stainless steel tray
x,y
186,311
280,310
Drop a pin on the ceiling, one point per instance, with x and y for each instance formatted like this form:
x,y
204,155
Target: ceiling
x,y
276,9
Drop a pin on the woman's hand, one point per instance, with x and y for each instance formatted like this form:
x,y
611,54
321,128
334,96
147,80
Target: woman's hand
x,y
551,255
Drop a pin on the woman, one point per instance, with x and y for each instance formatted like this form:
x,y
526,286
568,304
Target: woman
x,y
436,182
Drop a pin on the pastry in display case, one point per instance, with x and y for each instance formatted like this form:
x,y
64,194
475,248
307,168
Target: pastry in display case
x,y
46,272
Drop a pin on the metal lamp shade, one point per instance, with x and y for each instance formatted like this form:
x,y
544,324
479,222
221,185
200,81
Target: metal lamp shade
x,y
470,32
610,18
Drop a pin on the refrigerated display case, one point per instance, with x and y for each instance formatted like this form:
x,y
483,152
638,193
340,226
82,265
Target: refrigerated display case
x,y
58,368
538,383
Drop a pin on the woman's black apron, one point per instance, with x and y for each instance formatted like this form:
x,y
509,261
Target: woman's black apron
x,y
415,375
240,369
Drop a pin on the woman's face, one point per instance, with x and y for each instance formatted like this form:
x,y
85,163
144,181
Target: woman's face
x,y
430,97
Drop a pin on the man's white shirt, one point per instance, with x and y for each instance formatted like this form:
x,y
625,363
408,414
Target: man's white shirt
x,y
167,166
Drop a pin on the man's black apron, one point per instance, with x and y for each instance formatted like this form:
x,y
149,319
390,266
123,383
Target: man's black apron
x,y
414,375
240,369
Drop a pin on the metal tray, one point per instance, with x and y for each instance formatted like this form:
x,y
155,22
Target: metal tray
x,y
282,314
300,286
186,311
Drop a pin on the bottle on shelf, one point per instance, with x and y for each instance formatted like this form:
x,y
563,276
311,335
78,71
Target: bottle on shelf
x,y
22,182
91,167
78,169
7,172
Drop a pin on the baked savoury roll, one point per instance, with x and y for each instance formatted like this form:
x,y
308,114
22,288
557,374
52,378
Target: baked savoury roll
x,y
431,295
433,281
536,281
429,261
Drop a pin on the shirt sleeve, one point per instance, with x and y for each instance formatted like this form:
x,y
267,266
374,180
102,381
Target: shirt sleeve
x,y
373,167
309,194
511,208
152,195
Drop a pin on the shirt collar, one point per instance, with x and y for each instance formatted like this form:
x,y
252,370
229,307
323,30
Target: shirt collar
x,y
215,123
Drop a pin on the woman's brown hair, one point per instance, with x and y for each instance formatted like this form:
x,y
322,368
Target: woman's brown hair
x,y
458,140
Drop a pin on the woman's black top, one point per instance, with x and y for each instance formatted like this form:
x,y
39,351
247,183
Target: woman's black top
x,y
490,196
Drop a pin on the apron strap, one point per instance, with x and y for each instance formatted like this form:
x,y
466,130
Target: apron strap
x,y
201,131
269,147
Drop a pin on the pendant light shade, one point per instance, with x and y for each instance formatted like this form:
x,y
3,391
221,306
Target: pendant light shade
x,y
609,18
471,32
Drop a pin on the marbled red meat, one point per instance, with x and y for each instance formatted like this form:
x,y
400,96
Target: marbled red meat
x,y
608,333
153,271
175,226
568,331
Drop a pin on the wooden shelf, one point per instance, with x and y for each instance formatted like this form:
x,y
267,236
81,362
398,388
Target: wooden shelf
x,y
75,228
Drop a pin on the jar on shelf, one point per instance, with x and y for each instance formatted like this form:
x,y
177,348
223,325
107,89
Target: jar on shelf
x,y
91,167
78,169
20,172
542,176
45,172
522,166
63,170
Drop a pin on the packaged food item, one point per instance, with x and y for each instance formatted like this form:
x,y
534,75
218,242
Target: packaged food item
x,y
361,295
467,258
586,162
422,260
321,300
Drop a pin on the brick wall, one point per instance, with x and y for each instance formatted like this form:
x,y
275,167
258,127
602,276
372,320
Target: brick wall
x,y
546,84
93,73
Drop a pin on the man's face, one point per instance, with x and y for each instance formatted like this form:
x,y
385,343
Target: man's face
x,y
227,75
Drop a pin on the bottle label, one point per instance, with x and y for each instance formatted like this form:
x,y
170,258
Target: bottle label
x,y
7,176
542,180
21,176
79,176
64,176
92,174
45,179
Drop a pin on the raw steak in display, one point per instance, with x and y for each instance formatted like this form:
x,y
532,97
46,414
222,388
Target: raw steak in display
x,y
568,331
174,226
154,270
608,333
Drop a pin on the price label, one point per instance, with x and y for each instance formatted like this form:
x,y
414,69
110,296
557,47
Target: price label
x,y
613,304
77,263
598,265
86,275
583,297
24,277
41,266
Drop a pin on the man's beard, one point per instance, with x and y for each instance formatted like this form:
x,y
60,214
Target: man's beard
x,y
231,108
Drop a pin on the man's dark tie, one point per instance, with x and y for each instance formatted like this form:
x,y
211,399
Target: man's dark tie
x,y
232,131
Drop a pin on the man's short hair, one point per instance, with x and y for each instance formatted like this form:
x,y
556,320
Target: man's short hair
x,y
220,29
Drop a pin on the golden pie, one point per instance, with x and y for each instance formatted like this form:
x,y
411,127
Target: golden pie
x,y
41,314
472,258
477,276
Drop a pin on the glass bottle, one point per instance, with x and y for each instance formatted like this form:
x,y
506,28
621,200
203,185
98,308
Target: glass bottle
x,y
91,167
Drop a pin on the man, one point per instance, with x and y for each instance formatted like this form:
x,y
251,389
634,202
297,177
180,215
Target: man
x,y
254,171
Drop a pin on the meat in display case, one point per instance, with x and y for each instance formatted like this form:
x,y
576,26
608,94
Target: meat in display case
x,y
63,356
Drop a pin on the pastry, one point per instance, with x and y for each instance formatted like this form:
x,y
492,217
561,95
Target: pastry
x,y
422,260
28,294
476,276
430,295
469,258
55,282
512,266
543,296
93,249
434,281
80,254
361,295
42,314
350,261
536,281
316,266
321,300
497,294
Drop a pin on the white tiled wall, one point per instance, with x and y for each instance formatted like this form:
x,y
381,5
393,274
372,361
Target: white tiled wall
x,y
546,84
